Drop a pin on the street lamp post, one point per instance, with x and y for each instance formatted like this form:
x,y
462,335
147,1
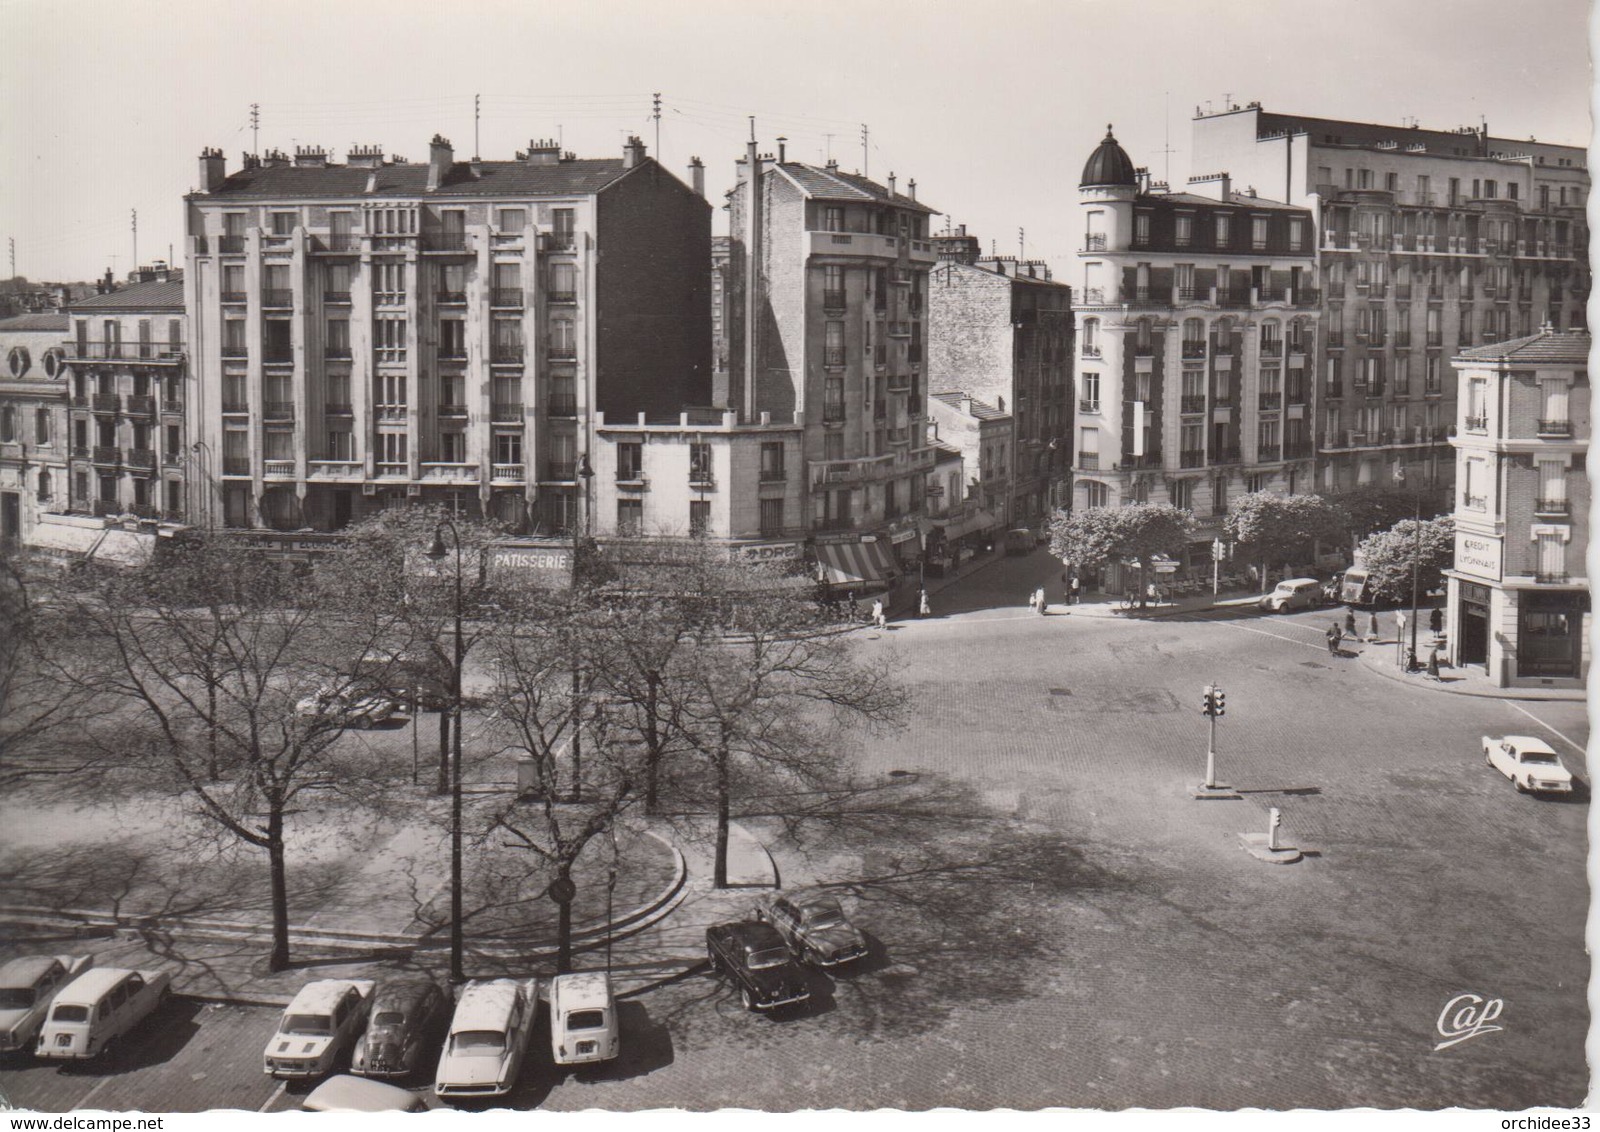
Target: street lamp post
x,y
437,552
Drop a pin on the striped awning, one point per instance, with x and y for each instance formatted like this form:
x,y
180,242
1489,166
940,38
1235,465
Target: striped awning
x,y
978,520
854,563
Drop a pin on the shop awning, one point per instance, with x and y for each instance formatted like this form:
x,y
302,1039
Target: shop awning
x,y
979,520
845,563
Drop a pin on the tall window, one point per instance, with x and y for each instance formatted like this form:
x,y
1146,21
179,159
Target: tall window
x,y
1553,404
512,221
1182,492
338,280
1096,494
452,338
630,517
1552,556
699,516
507,285
772,461
341,443
563,283
1553,483
508,448
630,460
1184,233
1091,337
1297,233
1258,232
1183,279
563,228
833,344
833,285
1089,447
1477,402
1089,399
832,218
700,463
1224,229
772,520
506,339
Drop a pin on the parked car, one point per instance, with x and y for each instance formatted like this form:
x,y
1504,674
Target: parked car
x,y
343,1093
347,710
1020,540
815,929
583,1019
754,956
407,1015
1293,593
318,1027
488,1038
98,1007
27,986
1529,763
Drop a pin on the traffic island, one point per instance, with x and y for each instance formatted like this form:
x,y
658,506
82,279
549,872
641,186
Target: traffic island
x,y
1219,792
1259,846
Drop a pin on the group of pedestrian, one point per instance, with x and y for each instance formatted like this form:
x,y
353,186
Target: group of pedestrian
x,y
1037,601
1069,587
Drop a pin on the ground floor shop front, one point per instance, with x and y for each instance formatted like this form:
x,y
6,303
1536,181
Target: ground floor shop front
x,y
1520,636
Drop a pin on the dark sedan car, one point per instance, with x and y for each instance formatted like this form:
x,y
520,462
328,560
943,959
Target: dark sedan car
x,y
408,1017
755,957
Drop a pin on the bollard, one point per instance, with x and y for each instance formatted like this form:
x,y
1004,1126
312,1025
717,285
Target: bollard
x,y
1273,819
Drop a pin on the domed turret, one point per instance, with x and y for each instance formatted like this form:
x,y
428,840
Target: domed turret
x,y
1109,165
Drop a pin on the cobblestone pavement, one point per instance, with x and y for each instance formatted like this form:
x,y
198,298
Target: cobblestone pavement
x,y
1056,921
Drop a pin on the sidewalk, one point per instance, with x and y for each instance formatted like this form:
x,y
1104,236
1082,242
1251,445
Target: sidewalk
x,y
1380,657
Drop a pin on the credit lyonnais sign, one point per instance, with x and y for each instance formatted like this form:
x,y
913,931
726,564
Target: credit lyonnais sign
x,y
1478,555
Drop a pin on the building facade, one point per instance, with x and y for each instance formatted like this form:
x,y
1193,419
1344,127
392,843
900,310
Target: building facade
x,y
1196,329
377,331
1518,592
704,474
127,363
1001,330
1428,242
34,447
827,299
985,435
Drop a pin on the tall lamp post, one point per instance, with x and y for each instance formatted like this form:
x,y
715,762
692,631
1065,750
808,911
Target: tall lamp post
x,y
436,551
1416,560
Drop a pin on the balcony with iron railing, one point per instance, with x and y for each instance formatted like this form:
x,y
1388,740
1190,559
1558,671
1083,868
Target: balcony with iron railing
x,y
106,403
1222,399
1333,339
833,357
561,352
280,356
345,242
278,410
235,406
1192,458
1089,461
1297,450
506,354
1402,339
1270,401
141,406
452,352
172,459
336,298
563,405
1272,294
1561,428
507,298
1551,507
154,352
1189,294
1225,456
1333,389
1233,300
1089,349
446,242
833,300
234,297
1551,577
450,298
235,465
277,298
1269,453
144,458
452,410
1477,424
1222,347
336,408
1088,405
1193,351
336,353
1272,348
560,470
1475,502
1192,403
1094,242
230,245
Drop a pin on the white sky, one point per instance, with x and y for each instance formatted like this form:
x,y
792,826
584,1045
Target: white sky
x,y
991,106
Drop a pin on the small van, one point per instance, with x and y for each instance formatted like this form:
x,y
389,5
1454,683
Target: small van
x,y
583,1019
1293,593
1356,588
1020,540
97,1008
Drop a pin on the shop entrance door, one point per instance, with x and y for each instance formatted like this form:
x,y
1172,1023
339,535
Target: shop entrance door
x,y
1474,647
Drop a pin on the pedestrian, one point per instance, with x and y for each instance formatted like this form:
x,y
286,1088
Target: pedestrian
x,y
1433,662
923,610
1335,637
855,607
1072,590
1153,594
1372,626
1436,621
878,617
1349,622
1038,601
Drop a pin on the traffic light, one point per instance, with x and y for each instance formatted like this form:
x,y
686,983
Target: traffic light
x,y
1208,703
1218,702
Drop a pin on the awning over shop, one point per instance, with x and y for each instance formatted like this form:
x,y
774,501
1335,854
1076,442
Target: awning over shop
x,y
979,520
844,563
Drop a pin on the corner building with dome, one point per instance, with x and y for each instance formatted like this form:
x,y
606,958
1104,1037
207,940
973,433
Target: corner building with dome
x,y
1196,328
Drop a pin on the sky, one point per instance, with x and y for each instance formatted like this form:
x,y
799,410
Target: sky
x,y
992,107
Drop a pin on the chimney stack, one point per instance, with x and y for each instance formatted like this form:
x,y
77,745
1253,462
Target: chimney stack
x,y
310,157
697,176
833,165
633,153
364,156
275,158
213,169
783,149
911,188
440,158
544,151
891,184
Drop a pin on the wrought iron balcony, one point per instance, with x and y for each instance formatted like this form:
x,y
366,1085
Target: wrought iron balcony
x,y
1192,458
1194,350
106,403
833,356
1551,507
1269,401
1477,424
1555,428
1192,403
512,297
141,406
277,298
1225,456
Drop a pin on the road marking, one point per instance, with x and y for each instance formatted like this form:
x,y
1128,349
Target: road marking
x,y
1249,629
1546,726
273,1099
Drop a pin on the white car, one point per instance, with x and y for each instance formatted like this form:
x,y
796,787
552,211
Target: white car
x,y
320,1024
1529,763
583,1018
347,710
488,1038
1293,593
98,1007
357,1094
27,986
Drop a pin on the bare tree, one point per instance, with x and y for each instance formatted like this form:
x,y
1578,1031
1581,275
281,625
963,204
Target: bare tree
x,y
238,683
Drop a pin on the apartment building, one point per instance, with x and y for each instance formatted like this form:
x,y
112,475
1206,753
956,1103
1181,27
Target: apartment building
x,y
33,423
126,356
1429,242
1196,329
1001,330
1518,592
719,314
378,331
827,300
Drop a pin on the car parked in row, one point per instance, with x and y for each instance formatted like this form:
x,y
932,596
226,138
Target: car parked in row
x,y
318,1027
91,1012
408,1015
1294,593
757,960
343,1093
347,709
583,1019
27,987
814,928
1530,764
488,1038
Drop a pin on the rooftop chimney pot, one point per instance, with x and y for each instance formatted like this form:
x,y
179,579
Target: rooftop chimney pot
x,y
440,158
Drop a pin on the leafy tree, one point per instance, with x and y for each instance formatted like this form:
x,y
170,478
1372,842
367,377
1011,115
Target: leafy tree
x,y
233,674
1372,507
1389,556
1278,529
1097,535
